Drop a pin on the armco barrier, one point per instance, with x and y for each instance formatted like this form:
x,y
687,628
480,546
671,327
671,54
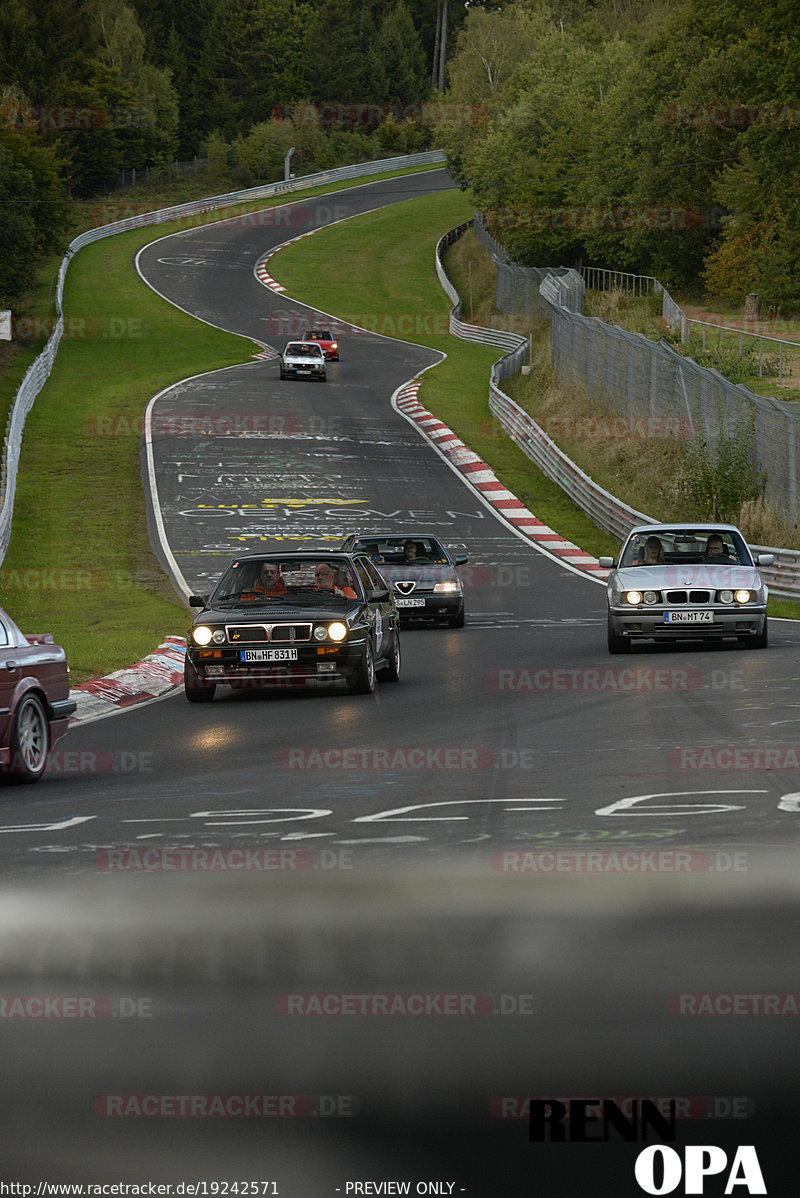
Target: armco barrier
x,y
609,513
39,370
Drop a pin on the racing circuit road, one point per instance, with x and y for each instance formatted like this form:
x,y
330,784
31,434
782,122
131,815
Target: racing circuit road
x,y
515,732
503,742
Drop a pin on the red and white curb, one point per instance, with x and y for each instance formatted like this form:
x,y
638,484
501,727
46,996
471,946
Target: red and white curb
x,y
260,268
156,675
482,478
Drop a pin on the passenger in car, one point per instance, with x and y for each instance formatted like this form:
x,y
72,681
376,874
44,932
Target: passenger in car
x,y
653,554
325,580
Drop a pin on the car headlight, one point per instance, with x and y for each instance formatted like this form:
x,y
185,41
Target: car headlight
x,y
633,597
337,632
219,637
742,596
320,633
651,597
201,635
446,588
726,596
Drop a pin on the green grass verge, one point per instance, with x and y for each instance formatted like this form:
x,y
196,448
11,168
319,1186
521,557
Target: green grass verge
x,y
391,281
80,564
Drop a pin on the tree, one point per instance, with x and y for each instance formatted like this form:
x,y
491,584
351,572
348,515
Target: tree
x,y
33,215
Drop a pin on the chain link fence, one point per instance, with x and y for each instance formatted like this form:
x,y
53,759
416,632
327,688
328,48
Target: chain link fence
x,y
648,380
518,288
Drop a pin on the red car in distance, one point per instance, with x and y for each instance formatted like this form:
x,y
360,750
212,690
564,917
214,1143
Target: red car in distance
x,y
330,346
34,700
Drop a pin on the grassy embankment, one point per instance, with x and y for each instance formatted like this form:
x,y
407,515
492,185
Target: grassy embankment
x,y
80,564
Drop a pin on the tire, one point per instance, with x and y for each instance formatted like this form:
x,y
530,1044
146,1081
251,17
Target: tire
x,y
392,671
195,690
616,643
30,741
456,621
363,680
762,640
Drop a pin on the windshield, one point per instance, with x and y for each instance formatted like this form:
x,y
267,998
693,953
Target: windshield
x,y
687,546
309,348
281,580
403,550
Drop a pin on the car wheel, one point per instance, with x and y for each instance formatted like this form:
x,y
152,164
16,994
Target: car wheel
x,y
762,639
616,643
30,741
195,689
363,681
392,671
457,621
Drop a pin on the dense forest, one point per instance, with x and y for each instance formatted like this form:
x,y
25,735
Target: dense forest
x,y
659,136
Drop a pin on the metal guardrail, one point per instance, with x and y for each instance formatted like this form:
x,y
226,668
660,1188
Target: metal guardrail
x,y
39,370
517,347
607,511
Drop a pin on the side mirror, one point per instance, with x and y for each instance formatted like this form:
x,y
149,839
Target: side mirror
x,y
765,559
461,559
606,562
379,595
198,600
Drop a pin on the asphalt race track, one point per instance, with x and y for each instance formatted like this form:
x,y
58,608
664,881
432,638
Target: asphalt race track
x,y
559,850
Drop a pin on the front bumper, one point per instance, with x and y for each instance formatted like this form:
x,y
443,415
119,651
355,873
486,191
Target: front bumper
x,y
649,622
315,665
305,372
432,607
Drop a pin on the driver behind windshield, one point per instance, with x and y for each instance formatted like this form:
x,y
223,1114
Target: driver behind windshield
x,y
269,581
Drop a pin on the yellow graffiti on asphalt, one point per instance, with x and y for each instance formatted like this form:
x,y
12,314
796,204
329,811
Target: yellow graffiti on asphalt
x,y
271,503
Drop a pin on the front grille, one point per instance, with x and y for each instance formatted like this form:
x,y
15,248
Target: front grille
x,y
291,632
676,597
246,632
254,633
